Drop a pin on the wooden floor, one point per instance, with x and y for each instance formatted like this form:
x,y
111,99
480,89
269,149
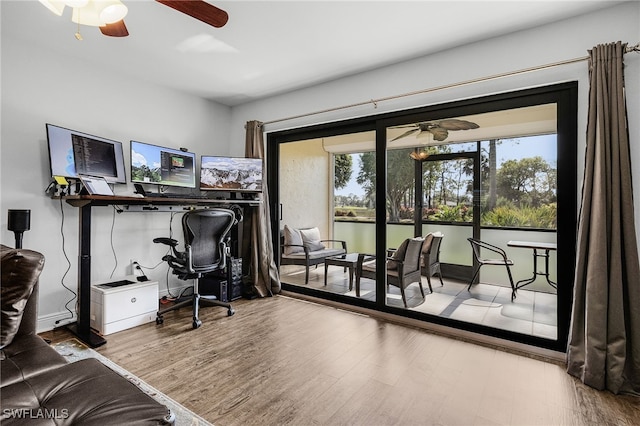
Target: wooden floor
x,y
282,361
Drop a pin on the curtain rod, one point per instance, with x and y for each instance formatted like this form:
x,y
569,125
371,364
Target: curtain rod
x,y
375,102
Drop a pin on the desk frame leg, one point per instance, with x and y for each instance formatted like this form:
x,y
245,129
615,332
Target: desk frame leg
x,y
82,329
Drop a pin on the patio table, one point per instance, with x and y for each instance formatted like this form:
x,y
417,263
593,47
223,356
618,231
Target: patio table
x,y
347,261
535,246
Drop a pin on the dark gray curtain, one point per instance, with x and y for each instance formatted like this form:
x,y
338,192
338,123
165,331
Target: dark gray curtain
x,y
604,345
263,273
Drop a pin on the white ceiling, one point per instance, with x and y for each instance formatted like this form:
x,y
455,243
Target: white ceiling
x,y
271,47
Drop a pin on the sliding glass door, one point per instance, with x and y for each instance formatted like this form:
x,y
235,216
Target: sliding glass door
x,y
327,189
500,169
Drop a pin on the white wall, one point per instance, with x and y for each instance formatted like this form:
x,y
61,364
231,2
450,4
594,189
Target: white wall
x,y
40,87
305,204
547,44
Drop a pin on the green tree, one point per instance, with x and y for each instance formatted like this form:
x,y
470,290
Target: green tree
x,y
528,181
488,174
400,179
493,181
367,174
343,170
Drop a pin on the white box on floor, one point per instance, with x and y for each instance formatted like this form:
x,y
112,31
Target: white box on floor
x,y
121,304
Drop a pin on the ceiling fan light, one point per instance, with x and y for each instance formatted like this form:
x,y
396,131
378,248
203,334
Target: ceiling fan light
x,y
76,3
419,155
56,6
112,11
88,15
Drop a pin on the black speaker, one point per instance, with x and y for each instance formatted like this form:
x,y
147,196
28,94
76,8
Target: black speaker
x,y
18,222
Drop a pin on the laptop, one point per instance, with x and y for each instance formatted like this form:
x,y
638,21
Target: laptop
x,y
95,185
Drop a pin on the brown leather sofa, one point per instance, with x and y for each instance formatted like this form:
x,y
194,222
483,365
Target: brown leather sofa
x,y
38,386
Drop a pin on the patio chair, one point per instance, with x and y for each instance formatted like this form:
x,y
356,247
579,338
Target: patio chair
x,y
501,260
431,257
305,248
403,268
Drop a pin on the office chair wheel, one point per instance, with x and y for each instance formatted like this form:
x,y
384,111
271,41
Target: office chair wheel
x,y
159,320
196,323
230,312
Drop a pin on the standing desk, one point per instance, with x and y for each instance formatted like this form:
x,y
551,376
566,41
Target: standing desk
x,y
85,203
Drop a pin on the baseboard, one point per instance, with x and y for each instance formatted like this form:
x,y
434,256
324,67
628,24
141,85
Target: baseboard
x,y
53,321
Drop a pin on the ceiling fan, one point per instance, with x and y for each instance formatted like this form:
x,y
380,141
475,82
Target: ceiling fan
x,y
439,130
109,15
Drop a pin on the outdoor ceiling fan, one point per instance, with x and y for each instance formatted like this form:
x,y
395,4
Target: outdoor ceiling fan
x,y
109,15
439,130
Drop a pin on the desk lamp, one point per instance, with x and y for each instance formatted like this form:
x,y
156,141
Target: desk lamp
x,y
18,222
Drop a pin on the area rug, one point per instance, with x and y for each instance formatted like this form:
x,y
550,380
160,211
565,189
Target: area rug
x,y
74,350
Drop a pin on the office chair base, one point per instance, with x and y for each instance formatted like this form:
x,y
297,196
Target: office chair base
x,y
196,301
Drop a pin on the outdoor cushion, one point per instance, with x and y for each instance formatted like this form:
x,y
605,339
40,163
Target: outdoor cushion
x,y
311,239
292,237
317,254
398,254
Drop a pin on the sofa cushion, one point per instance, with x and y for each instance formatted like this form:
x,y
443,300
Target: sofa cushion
x,y
20,271
85,392
27,356
311,239
293,237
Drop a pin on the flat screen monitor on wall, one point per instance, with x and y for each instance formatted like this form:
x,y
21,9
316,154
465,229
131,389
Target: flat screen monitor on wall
x,y
73,154
231,174
162,166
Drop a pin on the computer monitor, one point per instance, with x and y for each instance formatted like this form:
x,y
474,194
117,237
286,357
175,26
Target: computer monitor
x,y
73,153
160,165
234,174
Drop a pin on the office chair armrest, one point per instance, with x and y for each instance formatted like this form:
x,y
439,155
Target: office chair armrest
x,y
225,250
175,263
166,241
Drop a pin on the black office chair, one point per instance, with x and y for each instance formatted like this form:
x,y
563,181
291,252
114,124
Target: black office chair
x,y
205,250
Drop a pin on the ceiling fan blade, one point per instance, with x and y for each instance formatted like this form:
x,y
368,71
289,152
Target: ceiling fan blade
x,y
455,124
199,9
407,133
439,134
117,29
